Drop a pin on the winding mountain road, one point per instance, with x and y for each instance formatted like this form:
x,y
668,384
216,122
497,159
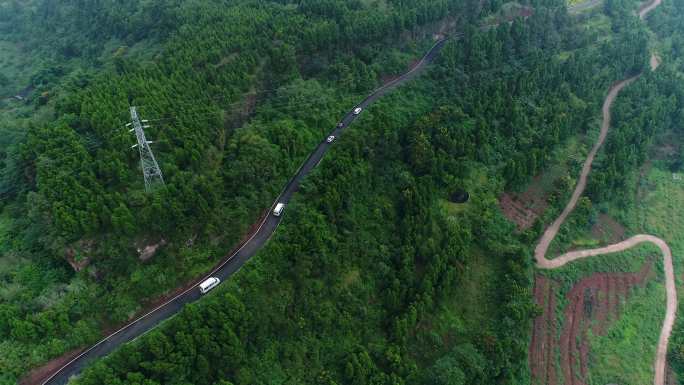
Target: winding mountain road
x,y
266,228
551,231
269,224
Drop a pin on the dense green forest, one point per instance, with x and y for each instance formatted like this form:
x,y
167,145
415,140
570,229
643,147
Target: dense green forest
x,y
366,280
642,113
317,327
239,94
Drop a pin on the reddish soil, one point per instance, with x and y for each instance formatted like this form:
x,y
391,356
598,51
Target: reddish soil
x,y
543,346
524,208
607,229
593,303
521,12
39,374
516,212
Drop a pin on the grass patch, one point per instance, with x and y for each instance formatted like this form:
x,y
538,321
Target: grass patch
x,y
465,317
661,211
623,262
476,293
479,186
626,353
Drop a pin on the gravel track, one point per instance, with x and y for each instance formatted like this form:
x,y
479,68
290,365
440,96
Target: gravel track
x,y
551,231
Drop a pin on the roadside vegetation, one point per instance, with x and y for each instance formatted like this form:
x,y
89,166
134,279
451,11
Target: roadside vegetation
x,y
390,238
633,188
624,355
374,277
237,112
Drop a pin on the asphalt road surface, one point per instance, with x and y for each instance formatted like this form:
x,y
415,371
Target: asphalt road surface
x,y
242,255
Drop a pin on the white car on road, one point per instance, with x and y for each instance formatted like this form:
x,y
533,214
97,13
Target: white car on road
x,y
357,110
209,284
330,139
278,209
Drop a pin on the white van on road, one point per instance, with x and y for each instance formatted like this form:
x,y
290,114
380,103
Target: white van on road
x,y
278,209
209,284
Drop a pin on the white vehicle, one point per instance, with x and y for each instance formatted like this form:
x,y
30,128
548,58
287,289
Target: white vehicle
x,y
330,139
278,209
209,284
357,110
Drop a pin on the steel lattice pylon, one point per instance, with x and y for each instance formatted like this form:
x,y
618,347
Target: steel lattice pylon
x,y
150,168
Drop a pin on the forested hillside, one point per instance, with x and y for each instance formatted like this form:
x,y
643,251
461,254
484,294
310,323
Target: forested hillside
x,y
374,276
367,280
238,93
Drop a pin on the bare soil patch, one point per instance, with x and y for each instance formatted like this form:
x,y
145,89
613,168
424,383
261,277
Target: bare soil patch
x,y
38,375
607,229
593,305
543,347
655,62
524,208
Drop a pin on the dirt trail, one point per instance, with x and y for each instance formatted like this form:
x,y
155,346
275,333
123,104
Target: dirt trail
x,y
551,231
661,352
645,10
654,62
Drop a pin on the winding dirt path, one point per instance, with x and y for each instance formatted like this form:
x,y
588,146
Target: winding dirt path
x,y
645,10
551,231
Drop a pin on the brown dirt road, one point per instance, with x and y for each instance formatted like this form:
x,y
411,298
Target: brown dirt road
x,y
671,309
551,231
670,312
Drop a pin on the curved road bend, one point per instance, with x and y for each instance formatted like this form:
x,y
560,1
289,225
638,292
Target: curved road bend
x,y
651,6
242,255
551,231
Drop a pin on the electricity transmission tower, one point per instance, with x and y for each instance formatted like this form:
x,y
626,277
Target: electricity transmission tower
x,y
150,168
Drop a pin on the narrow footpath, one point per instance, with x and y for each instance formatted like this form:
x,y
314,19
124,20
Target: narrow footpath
x,y
551,231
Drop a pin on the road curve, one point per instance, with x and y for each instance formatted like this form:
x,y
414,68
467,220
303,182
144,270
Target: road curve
x,y
645,10
670,289
266,228
551,231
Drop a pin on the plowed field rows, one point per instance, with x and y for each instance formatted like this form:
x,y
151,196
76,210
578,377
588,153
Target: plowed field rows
x,y
593,304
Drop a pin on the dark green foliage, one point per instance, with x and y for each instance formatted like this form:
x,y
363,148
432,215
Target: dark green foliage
x,y
342,292
240,93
